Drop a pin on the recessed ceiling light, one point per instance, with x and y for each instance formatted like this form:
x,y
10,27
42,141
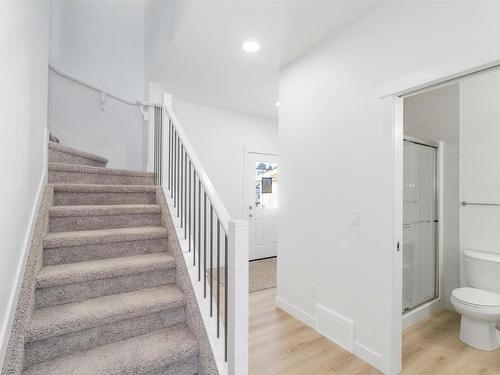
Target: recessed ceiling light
x,y
251,46
277,104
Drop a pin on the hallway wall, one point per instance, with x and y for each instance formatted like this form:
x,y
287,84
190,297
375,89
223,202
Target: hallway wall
x,y
24,48
102,43
117,131
219,137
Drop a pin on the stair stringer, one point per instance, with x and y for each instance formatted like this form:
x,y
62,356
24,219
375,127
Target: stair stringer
x,y
206,364
14,359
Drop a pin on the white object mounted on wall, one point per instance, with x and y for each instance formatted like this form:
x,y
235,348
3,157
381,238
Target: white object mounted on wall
x,y
102,101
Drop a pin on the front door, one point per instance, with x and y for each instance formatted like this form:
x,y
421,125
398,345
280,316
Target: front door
x,y
262,204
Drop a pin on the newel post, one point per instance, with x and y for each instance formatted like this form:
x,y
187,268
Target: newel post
x,y
238,297
149,118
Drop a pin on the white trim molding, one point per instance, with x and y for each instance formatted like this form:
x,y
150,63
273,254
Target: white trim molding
x,y
296,312
25,249
368,355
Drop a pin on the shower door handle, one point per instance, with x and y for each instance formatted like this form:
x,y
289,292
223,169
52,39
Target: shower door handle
x,y
409,225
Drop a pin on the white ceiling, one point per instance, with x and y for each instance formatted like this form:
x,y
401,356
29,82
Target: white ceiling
x,y
204,62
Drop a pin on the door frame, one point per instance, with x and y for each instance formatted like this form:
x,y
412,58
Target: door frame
x,y
246,192
391,95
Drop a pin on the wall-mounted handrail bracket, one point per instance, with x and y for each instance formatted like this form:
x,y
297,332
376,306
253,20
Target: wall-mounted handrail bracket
x,y
102,101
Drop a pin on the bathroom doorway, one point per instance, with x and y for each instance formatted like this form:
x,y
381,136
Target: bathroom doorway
x,y
430,192
460,117
420,223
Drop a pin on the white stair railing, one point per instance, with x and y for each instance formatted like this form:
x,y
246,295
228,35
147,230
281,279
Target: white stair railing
x,y
215,246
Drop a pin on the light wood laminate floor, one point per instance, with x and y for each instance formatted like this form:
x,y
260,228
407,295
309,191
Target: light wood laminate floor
x,y
280,344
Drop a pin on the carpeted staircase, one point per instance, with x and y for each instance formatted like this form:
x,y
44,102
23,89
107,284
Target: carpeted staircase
x,y
106,298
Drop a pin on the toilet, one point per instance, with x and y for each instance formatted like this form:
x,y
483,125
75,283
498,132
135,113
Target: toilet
x,y
479,303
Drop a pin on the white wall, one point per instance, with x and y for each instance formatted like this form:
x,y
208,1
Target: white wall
x,y
101,42
335,131
219,137
161,19
435,115
479,161
118,132
24,46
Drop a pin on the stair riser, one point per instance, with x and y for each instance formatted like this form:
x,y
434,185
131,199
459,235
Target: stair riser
x,y
76,223
64,255
56,156
188,366
64,177
59,295
77,199
54,347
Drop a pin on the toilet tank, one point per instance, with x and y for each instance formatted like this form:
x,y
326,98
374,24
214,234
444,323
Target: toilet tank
x,y
482,270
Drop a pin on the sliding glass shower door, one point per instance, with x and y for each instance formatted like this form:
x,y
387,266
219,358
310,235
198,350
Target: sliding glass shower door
x,y
420,255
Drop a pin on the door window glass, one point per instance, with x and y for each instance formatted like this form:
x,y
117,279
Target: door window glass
x,y
266,185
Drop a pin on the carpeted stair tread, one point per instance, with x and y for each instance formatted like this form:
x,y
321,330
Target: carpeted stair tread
x,y
97,170
104,210
95,188
72,151
88,237
138,355
106,298
50,276
71,317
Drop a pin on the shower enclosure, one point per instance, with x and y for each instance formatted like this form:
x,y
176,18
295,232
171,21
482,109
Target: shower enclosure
x,y
420,223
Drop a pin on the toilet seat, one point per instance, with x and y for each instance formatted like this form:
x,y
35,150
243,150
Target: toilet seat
x,y
477,298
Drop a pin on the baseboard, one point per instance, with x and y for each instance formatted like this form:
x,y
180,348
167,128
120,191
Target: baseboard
x,y
362,351
335,327
298,313
11,309
368,355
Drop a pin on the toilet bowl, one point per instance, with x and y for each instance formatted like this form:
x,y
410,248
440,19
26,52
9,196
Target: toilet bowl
x,y
479,302
480,312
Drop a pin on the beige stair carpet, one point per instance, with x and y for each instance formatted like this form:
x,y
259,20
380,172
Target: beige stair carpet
x,y
106,293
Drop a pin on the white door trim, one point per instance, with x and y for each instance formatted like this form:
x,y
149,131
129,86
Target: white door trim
x,y
396,104
392,97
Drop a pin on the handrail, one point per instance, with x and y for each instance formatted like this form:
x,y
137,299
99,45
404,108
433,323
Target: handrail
x,y
207,184
60,72
465,203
